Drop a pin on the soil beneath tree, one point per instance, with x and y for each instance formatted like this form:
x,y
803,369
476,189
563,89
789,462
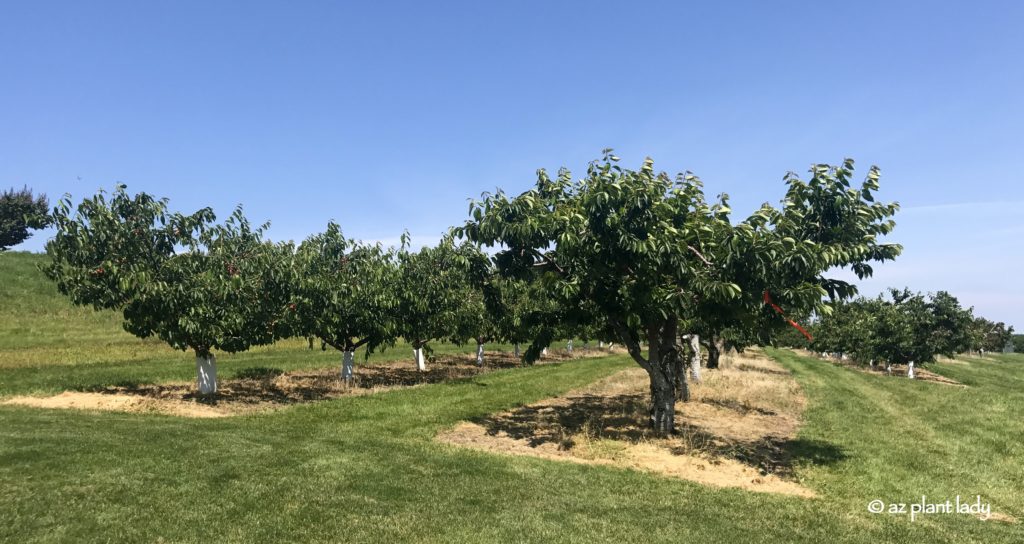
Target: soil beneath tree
x,y
738,430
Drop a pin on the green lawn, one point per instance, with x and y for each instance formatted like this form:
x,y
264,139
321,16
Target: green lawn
x,y
367,468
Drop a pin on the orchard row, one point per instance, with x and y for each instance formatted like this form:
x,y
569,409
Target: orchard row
x,y
623,255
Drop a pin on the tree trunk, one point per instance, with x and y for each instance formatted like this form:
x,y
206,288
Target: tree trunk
x,y
713,354
348,366
568,347
663,403
910,370
544,352
515,349
479,353
695,358
664,366
206,372
310,343
600,344
679,373
421,363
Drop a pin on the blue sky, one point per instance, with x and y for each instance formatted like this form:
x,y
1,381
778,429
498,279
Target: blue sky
x,y
388,116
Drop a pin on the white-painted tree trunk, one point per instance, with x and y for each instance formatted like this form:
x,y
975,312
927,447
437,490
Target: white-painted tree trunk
x,y
600,344
544,352
421,363
479,354
910,370
568,346
888,367
206,374
695,358
872,363
348,366
515,349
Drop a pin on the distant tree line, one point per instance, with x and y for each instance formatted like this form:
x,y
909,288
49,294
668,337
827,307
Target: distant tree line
x,y
903,327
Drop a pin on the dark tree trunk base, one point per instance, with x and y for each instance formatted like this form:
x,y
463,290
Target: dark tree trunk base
x,y
713,355
663,408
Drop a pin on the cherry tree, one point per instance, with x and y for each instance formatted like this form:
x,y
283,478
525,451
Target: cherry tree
x,y
643,249
438,295
343,293
185,279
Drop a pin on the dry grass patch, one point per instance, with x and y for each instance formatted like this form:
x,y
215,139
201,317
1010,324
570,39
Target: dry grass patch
x,y
737,430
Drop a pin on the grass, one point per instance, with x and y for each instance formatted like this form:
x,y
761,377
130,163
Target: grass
x,y
367,468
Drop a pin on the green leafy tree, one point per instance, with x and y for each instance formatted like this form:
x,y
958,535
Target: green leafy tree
x,y
952,329
437,294
521,312
643,250
21,212
1018,343
343,293
847,330
902,329
477,317
191,282
990,336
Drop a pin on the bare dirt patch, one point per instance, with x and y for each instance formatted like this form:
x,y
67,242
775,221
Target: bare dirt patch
x,y
738,430
261,389
118,403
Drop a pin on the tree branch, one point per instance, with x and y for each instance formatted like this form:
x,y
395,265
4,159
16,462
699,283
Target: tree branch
x,y
698,254
549,260
631,345
331,343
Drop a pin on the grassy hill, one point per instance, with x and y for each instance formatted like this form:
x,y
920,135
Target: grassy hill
x,y
34,314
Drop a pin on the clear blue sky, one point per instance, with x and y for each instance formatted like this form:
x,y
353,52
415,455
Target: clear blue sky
x,y
388,116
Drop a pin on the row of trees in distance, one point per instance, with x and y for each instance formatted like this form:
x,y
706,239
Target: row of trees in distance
x,y
904,328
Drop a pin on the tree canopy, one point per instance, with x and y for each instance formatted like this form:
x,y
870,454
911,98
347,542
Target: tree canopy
x,y
344,292
21,212
438,294
191,282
